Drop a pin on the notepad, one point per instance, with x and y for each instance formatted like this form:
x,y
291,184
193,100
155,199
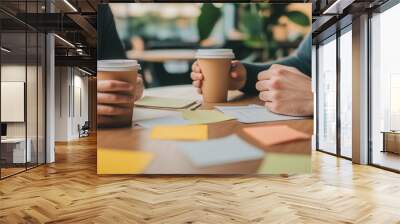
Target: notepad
x,y
163,102
275,134
220,151
169,120
205,116
254,114
119,161
179,132
283,163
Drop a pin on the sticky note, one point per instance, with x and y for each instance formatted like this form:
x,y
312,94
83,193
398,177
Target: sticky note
x,y
254,114
169,120
220,151
163,102
179,132
120,161
274,134
205,116
283,163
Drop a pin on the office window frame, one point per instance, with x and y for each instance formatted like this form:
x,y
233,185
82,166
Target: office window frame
x,y
381,9
327,40
334,37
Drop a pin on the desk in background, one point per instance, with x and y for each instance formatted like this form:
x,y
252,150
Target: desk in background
x,y
13,150
163,55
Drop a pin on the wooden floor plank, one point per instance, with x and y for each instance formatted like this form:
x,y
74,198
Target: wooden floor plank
x,y
70,191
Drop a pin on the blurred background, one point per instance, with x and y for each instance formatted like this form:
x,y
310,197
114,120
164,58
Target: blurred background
x,y
164,36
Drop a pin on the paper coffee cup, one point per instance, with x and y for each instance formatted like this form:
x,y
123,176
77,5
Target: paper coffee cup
x,y
121,70
215,65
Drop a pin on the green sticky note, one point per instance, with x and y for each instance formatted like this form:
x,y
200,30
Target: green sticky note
x,y
163,102
205,116
283,163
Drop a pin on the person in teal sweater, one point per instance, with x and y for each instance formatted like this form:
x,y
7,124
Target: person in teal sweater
x,y
284,85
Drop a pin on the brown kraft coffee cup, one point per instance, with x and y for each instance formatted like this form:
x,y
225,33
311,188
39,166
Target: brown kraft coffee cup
x,y
215,65
121,70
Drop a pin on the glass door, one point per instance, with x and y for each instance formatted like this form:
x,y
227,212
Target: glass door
x,y
327,96
14,153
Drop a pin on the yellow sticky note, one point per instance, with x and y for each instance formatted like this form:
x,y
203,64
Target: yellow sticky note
x,y
205,116
163,102
119,161
180,132
285,163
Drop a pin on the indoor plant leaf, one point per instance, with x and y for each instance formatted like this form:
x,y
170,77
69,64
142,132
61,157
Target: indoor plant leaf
x,y
209,16
298,18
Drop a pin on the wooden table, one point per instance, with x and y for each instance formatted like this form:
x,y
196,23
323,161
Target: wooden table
x,y
169,160
163,55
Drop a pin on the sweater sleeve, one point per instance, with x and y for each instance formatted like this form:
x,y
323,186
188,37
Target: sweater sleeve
x,y
300,60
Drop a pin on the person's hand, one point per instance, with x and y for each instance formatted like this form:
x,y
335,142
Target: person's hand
x,y
110,93
286,90
237,76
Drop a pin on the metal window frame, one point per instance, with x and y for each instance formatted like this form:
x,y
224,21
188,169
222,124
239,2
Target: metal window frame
x,y
333,37
381,9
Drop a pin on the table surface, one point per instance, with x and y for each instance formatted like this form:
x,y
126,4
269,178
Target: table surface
x,y
162,55
169,160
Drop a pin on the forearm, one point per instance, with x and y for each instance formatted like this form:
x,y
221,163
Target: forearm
x,y
300,60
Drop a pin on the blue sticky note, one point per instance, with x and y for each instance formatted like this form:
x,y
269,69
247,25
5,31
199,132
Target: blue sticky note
x,y
220,151
169,120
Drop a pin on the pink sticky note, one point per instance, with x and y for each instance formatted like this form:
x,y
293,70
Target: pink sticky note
x,y
275,134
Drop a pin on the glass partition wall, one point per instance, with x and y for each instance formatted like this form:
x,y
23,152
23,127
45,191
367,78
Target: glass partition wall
x,y
334,84
22,78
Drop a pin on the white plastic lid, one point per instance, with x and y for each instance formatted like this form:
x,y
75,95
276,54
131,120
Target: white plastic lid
x,y
215,53
119,65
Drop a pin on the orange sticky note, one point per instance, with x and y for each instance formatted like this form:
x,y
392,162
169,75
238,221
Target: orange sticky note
x,y
180,132
120,161
275,134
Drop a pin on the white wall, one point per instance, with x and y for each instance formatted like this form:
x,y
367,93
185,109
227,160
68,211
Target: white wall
x,y
16,73
70,83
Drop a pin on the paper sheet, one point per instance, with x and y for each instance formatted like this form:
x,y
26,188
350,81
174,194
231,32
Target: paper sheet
x,y
275,134
253,114
163,102
205,116
169,120
119,161
282,163
220,151
142,113
180,132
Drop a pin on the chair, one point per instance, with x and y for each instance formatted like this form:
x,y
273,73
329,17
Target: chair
x,y
84,130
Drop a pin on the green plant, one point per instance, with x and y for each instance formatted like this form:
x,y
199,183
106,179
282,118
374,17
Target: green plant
x,y
256,22
209,16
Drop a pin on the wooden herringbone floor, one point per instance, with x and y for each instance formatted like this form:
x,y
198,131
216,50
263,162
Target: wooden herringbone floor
x,y
69,191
